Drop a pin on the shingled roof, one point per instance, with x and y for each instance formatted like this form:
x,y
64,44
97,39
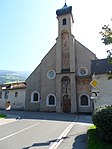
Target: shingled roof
x,y
100,66
12,86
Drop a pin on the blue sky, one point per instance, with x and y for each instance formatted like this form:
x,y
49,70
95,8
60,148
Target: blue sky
x,y
28,29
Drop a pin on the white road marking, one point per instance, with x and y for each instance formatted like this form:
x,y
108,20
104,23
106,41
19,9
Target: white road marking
x,y
19,131
82,123
61,137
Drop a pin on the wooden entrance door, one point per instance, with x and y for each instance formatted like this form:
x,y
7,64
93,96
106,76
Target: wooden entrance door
x,y
67,105
8,105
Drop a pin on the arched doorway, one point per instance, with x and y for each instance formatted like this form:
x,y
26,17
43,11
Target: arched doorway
x,y
8,105
66,104
66,94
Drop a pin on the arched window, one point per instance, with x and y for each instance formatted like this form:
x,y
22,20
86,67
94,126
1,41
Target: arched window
x,y
6,94
35,97
0,94
51,100
84,100
64,21
16,94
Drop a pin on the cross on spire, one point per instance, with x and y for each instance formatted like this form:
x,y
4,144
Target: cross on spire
x,y
65,4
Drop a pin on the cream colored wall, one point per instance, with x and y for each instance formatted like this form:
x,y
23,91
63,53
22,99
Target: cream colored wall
x,y
68,26
2,101
16,102
105,91
19,101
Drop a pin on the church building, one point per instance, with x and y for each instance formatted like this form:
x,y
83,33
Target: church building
x,y
61,82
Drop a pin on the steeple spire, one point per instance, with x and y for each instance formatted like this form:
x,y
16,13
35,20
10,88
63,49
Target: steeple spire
x,y
65,4
64,10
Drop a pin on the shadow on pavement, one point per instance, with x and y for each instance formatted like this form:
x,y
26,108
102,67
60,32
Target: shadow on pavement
x,y
85,119
80,142
44,143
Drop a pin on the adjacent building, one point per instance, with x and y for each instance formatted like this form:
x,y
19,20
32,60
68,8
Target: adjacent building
x,y
12,96
102,91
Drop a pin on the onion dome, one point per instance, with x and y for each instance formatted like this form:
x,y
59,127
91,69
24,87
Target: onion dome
x,y
65,10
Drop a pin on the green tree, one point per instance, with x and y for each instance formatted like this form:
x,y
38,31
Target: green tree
x,y
106,35
107,40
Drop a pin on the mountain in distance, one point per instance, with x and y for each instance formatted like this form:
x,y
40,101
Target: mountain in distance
x,y
7,76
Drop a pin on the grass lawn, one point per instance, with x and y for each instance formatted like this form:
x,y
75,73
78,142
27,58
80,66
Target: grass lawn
x,y
2,115
95,142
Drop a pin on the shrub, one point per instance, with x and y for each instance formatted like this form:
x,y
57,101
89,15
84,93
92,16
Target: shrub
x,y
3,115
102,119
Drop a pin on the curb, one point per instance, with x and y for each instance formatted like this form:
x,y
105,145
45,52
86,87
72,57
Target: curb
x,y
12,116
9,119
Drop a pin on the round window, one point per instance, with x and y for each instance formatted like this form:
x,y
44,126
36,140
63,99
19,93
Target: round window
x,y
51,74
83,71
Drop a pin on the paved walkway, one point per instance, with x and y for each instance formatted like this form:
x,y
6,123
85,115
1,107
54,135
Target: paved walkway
x,y
9,119
77,137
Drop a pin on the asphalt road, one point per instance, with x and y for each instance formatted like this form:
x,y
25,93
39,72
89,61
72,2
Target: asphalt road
x,y
36,130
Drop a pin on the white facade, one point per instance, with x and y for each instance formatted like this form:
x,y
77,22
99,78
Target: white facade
x,y
12,98
104,90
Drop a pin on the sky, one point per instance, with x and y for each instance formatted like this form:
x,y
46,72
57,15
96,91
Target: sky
x,y
29,28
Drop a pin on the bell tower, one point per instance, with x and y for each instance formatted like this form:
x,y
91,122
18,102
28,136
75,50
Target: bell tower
x,y
65,19
65,61
65,42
